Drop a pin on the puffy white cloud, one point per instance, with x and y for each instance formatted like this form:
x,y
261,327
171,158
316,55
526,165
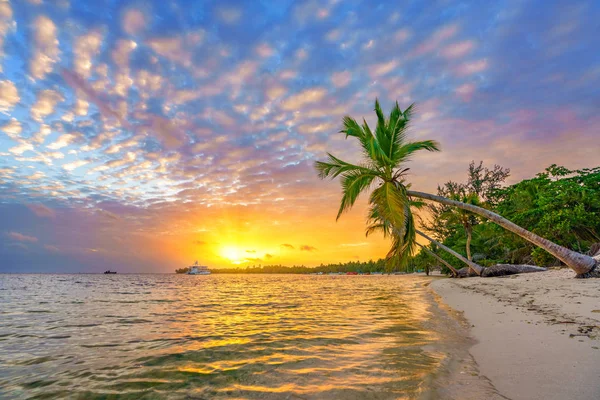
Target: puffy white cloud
x,y
45,104
62,141
6,24
9,95
85,48
74,165
46,51
12,128
293,103
21,148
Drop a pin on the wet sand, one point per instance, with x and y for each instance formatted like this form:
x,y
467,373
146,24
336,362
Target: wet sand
x,y
535,336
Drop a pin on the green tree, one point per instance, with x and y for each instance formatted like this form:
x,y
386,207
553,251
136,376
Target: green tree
x,y
385,152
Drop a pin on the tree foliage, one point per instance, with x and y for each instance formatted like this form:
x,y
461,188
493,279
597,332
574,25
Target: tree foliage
x,y
558,204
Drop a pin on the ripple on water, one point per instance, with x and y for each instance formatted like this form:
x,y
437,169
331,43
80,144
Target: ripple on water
x,y
222,336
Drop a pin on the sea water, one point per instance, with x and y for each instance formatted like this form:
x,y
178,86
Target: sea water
x,y
218,336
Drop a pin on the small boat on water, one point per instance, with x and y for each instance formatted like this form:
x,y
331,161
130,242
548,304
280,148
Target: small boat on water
x,y
110,272
198,269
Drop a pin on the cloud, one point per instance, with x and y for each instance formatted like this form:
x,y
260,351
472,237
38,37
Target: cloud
x,y
9,95
134,21
229,15
264,50
341,79
306,247
199,242
52,249
86,47
268,256
250,251
6,25
459,49
382,69
45,104
46,50
41,210
21,148
287,245
74,165
474,67
465,91
303,98
62,141
12,128
21,238
435,40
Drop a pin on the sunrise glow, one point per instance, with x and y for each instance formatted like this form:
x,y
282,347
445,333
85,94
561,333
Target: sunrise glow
x,y
148,135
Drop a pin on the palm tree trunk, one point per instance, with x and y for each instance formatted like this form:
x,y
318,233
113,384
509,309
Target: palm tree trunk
x,y
440,259
478,269
469,236
584,266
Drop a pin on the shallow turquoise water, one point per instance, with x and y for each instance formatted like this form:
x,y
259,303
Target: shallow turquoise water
x,y
218,336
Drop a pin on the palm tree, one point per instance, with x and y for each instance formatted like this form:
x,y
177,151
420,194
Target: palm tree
x,y
476,268
385,151
440,259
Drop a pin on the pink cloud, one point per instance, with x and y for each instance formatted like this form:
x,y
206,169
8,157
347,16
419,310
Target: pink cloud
x,y
474,67
21,238
435,40
459,49
41,210
465,91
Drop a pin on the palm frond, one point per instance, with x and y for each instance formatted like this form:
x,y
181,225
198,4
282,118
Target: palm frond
x,y
335,167
390,202
403,153
353,183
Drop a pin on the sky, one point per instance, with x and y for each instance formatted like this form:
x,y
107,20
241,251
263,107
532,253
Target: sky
x,y
144,135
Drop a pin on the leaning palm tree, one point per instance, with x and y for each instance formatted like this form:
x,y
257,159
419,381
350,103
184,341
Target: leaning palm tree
x,y
385,152
453,270
583,265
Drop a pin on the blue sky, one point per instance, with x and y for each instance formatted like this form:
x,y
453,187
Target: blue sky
x,y
141,134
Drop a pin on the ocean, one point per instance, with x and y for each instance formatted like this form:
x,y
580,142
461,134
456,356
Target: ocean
x,y
159,336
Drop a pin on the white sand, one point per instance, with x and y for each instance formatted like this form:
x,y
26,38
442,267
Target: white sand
x,y
538,335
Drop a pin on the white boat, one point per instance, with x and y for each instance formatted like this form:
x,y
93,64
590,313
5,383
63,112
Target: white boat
x,y
198,269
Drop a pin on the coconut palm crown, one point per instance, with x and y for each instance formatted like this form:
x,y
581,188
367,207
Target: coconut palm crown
x,y
385,153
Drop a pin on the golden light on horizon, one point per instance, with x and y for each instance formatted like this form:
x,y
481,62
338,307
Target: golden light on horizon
x,y
233,254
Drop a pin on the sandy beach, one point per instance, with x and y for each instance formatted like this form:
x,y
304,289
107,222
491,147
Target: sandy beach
x,y
537,336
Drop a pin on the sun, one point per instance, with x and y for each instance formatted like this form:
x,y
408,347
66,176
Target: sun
x,y
233,254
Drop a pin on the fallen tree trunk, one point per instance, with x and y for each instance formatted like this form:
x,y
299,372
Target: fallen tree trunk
x,y
509,269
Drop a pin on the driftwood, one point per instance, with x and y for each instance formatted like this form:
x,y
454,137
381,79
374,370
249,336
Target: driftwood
x,y
465,272
500,270
509,269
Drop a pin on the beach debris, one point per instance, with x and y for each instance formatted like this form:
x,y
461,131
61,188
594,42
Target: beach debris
x,y
510,269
